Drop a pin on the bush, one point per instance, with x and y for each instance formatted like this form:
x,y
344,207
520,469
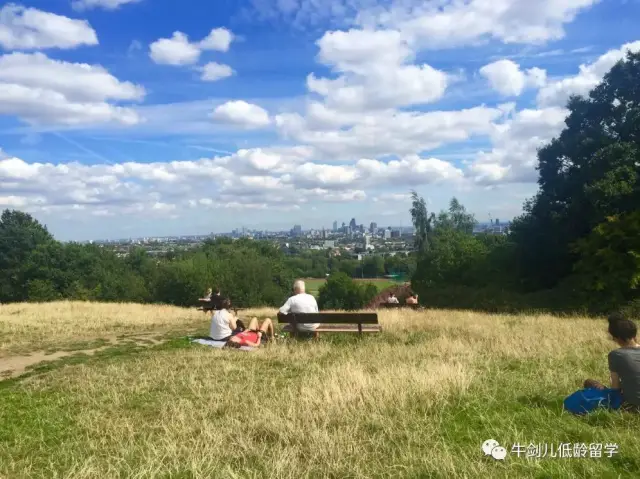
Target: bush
x,y
342,292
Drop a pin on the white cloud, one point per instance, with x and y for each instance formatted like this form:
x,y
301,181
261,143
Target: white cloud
x,y
557,93
31,29
274,178
215,71
105,4
219,39
374,72
506,78
515,144
174,51
450,23
242,114
177,50
76,81
44,91
385,133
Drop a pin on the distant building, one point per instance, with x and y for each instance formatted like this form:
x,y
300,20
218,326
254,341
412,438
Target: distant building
x,y
373,227
352,224
335,226
296,231
329,244
387,233
395,234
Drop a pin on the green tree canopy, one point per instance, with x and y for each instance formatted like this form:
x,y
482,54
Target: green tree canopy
x,y
587,174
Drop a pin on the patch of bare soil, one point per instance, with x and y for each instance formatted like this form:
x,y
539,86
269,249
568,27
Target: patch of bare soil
x,y
14,366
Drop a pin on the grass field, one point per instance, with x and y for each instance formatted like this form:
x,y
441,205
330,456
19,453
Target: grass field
x,y
417,400
313,284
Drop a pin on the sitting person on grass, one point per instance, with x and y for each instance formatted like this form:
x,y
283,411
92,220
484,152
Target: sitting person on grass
x,y
254,335
224,325
624,363
392,299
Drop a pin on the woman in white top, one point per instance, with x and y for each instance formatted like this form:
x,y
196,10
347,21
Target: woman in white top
x,y
224,324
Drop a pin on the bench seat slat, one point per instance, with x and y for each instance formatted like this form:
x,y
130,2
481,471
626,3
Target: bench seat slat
x,y
329,318
341,328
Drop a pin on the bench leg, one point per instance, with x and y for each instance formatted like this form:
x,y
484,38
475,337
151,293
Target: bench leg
x,y
360,328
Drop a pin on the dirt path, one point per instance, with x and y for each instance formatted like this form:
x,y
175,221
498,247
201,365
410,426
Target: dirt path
x,y
14,366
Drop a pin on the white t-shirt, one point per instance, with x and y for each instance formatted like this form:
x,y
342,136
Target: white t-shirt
x,y
393,300
301,303
220,327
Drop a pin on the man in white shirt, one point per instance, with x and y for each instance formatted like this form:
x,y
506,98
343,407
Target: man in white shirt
x,y
392,299
301,302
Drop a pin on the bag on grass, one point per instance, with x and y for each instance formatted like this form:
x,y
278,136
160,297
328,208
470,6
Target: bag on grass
x,y
587,400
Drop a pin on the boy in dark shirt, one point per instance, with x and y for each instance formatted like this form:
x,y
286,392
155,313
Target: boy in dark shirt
x,y
624,363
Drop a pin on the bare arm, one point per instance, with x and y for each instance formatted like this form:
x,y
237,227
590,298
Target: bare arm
x,y
615,381
232,321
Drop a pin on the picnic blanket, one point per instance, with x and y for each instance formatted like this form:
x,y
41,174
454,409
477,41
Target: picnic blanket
x,y
218,344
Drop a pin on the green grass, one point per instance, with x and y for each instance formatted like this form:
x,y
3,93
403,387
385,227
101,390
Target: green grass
x,y
417,400
314,285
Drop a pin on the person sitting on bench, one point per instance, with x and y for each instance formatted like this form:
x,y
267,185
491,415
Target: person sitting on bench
x,y
412,299
207,296
301,302
392,299
224,325
253,336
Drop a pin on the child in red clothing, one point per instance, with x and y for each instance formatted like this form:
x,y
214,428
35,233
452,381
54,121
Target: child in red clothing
x,y
253,336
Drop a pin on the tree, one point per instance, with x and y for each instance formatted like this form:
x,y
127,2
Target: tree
x,y
20,235
342,292
422,222
587,174
456,218
609,259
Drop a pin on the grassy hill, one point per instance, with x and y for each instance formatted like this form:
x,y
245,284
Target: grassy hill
x,y
417,400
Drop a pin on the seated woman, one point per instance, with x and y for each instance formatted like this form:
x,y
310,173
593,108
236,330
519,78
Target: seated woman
x,y
624,363
253,336
224,325
207,296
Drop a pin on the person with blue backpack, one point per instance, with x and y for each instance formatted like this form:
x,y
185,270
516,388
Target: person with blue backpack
x,y
624,370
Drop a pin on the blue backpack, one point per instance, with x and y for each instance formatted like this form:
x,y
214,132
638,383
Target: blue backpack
x,y
587,400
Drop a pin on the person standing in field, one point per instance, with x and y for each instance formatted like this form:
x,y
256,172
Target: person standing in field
x,y
301,302
624,363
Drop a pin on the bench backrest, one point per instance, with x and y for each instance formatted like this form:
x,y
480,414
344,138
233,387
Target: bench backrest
x,y
398,305
328,318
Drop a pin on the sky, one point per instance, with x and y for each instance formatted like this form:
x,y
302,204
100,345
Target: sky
x,y
132,118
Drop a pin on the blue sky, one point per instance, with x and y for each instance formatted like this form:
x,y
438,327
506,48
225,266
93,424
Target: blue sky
x,y
307,112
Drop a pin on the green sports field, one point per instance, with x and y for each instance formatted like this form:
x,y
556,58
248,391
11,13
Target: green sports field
x,y
314,284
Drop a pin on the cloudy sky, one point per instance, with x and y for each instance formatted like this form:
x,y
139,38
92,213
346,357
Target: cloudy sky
x,y
124,118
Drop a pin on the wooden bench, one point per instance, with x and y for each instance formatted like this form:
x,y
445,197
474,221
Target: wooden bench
x,y
332,322
208,306
398,306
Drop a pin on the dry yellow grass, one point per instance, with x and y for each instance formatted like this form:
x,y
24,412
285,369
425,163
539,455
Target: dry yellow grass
x,y
416,400
28,327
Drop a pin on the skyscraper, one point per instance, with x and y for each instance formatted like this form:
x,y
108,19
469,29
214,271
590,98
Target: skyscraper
x,y
335,226
373,227
352,224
